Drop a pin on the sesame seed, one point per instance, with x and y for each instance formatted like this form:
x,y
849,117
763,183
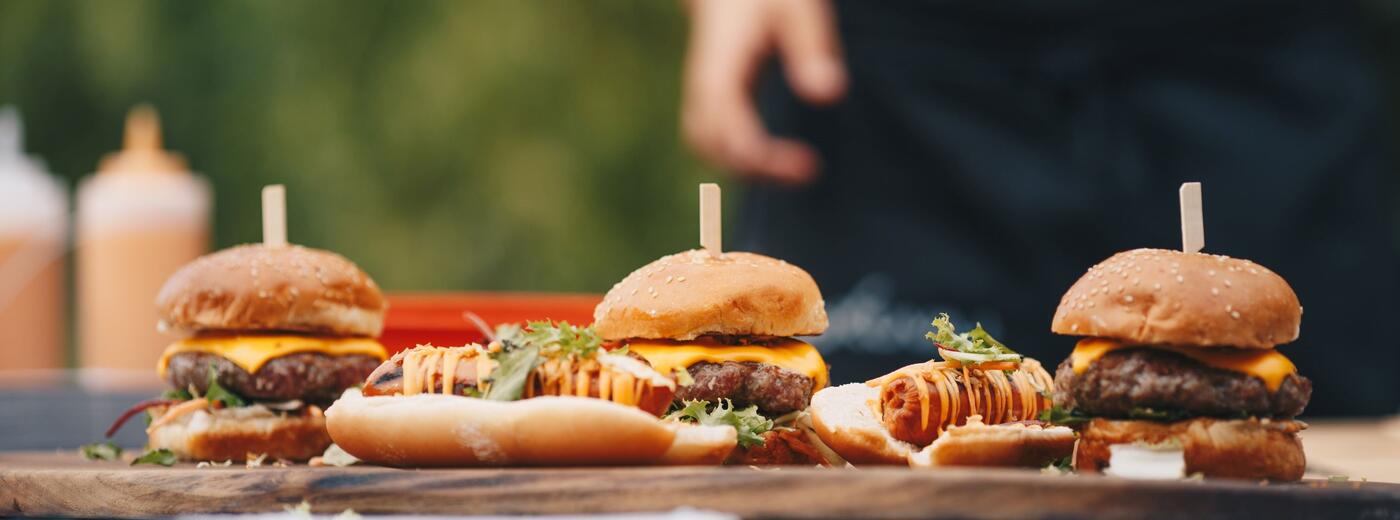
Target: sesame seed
x,y
1074,327
669,279
652,313
1135,281
1253,271
1093,304
1210,272
1235,314
1214,291
681,279
1229,308
634,291
1128,299
1228,284
1156,286
1179,279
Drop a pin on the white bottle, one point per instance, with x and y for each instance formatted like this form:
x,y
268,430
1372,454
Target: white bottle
x,y
141,217
33,232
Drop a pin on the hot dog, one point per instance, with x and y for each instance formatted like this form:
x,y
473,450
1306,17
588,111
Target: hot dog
x,y
920,401
617,378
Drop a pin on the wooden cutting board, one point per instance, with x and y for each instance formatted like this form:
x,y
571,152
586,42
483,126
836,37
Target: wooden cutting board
x,y
62,484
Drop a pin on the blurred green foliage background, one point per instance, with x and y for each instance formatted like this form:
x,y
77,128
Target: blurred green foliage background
x,y
495,144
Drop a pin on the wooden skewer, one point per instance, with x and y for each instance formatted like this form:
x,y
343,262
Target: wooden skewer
x,y
274,206
710,238
1193,231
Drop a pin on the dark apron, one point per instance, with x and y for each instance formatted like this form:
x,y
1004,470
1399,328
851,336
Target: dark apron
x,y
986,156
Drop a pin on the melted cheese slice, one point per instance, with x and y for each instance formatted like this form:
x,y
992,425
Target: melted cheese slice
x,y
1267,365
251,352
793,355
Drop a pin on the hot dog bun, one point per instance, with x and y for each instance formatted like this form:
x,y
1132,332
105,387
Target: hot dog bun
x,y
444,430
1010,445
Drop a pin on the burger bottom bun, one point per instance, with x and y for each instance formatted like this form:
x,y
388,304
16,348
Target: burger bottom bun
x,y
1244,449
444,430
237,433
846,418
1012,445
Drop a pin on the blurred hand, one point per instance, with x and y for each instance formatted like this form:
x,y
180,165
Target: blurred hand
x,y
729,41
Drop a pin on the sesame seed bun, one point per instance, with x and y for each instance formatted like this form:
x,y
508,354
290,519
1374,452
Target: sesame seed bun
x,y
693,293
284,288
1162,297
1244,449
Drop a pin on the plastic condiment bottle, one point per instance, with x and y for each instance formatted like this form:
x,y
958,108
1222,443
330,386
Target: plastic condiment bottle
x,y
141,217
33,231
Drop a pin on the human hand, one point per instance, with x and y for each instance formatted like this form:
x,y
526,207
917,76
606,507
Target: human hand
x,y
729,40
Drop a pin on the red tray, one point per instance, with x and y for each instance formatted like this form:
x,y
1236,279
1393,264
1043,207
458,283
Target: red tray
x,y
438,318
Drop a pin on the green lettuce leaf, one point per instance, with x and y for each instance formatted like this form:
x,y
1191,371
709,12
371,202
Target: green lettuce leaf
x,y
102,451
513,366
974,347
177,394
218,394
747,422
1061,416
163,457
1153,414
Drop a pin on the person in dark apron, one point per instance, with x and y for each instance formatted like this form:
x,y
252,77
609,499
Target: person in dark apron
x,y
976,158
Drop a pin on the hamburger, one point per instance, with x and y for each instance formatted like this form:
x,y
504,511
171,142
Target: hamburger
x,y
727,325
977,406
270,336
544,394
1178,354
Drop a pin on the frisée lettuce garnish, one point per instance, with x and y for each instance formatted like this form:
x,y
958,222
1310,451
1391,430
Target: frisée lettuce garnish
x,y
975,347
746,421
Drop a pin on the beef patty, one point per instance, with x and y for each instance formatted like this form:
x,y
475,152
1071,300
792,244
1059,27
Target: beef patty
x,y
1123,383
312,377
774,389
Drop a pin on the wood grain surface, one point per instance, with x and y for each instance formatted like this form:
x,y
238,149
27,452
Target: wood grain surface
x,y
62,484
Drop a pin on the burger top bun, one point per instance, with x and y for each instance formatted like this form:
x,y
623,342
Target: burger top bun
x,y
1161,297
284,288
693,293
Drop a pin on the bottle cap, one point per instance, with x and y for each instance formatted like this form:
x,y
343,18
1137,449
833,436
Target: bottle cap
x,y
141,151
